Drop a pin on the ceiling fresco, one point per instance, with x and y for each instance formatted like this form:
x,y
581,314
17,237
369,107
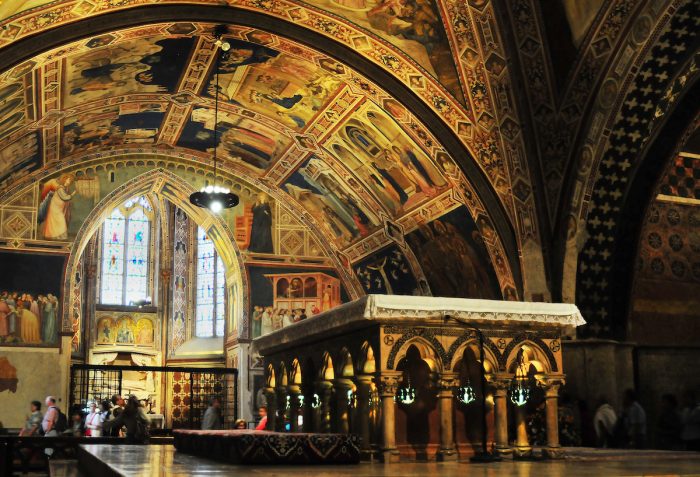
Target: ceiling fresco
x,y
297,121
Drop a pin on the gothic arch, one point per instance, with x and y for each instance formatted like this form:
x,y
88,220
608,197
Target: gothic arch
x,y
177,192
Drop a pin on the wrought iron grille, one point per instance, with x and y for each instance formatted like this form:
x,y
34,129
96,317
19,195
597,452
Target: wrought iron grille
x,y
188,390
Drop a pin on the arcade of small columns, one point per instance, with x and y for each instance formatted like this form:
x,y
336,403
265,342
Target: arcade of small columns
x,y
341,371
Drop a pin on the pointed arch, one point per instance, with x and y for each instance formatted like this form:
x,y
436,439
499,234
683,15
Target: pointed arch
x,y
165,184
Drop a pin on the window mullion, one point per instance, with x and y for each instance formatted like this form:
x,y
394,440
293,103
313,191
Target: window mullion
x,y
125,254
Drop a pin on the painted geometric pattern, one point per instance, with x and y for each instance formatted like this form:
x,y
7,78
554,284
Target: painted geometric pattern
x,y
628,136
670,243
180,279
683,178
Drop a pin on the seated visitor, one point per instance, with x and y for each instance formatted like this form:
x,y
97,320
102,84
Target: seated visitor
x,y
263,419
93,421
134,418
212,416
240,424
32,426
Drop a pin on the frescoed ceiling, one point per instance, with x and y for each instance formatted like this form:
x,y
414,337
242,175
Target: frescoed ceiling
x,y
371,118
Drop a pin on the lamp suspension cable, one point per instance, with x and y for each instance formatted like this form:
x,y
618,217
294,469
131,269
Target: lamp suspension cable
x,y
212,196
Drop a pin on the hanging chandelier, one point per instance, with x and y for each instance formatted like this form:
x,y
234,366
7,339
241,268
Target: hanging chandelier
x,y
214,197
406,394
520,385
465,394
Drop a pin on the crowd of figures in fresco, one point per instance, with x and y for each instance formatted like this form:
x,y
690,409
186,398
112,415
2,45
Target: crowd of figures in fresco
x,y
28,319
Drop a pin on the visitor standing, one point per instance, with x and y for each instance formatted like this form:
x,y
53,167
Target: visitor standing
x,y
604,422
93,422
33,423
669,424
212,416
134,418
263,419
635,420
690,435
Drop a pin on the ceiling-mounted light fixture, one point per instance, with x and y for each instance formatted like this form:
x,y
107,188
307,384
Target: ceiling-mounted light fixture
x,y
214,197
465,394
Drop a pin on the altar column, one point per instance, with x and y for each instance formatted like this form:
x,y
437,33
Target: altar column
x,y
446,383
294,391
551,396
522,445
342,408
281,409
388,385
271,398
500,398
364,392
325,389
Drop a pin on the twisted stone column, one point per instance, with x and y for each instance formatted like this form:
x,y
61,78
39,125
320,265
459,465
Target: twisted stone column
x,y
388,385
445,385
551,396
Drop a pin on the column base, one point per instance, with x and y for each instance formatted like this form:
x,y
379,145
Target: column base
x,y
447,455
553,452
369,455
522,452
390,456
504,451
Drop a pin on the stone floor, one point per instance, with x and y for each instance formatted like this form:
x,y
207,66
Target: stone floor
x,y
161,461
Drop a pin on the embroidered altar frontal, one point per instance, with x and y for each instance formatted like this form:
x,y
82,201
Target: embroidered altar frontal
x,y
263,447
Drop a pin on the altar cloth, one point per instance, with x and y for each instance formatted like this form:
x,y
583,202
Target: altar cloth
x,y
265,447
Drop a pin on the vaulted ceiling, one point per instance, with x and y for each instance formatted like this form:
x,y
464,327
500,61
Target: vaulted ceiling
x,y
394,111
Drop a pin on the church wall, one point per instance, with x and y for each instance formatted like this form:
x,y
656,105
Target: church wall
x,y
667,277
38,374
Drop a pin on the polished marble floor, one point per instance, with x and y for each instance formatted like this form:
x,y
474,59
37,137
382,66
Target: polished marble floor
x,y
161,461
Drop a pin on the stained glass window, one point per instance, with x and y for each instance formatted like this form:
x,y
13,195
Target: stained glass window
x,y
211,283
125,244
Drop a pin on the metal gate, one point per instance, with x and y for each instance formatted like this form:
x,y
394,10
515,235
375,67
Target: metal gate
x,y
186,391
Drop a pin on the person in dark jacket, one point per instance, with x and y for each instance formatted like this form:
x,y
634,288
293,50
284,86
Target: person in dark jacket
x,y
134,418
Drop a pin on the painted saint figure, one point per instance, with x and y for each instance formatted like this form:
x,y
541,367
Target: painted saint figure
x,y
48,318
54,210
261,229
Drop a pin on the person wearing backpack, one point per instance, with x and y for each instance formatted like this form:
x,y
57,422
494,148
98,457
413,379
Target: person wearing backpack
x,y
54,422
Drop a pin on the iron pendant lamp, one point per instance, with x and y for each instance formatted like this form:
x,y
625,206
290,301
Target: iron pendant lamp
x,y
214,197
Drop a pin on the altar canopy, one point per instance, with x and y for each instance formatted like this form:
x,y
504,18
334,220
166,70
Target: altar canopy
x,y
342,371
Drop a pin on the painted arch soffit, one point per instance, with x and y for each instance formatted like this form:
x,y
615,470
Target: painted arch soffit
x,y
110,93
505,168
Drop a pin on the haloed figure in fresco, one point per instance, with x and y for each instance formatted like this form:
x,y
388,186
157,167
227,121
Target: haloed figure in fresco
x,y
54,210
28,319
261,229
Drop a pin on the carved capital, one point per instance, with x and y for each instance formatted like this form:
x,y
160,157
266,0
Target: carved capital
x,y
389,384
551,384
446,382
